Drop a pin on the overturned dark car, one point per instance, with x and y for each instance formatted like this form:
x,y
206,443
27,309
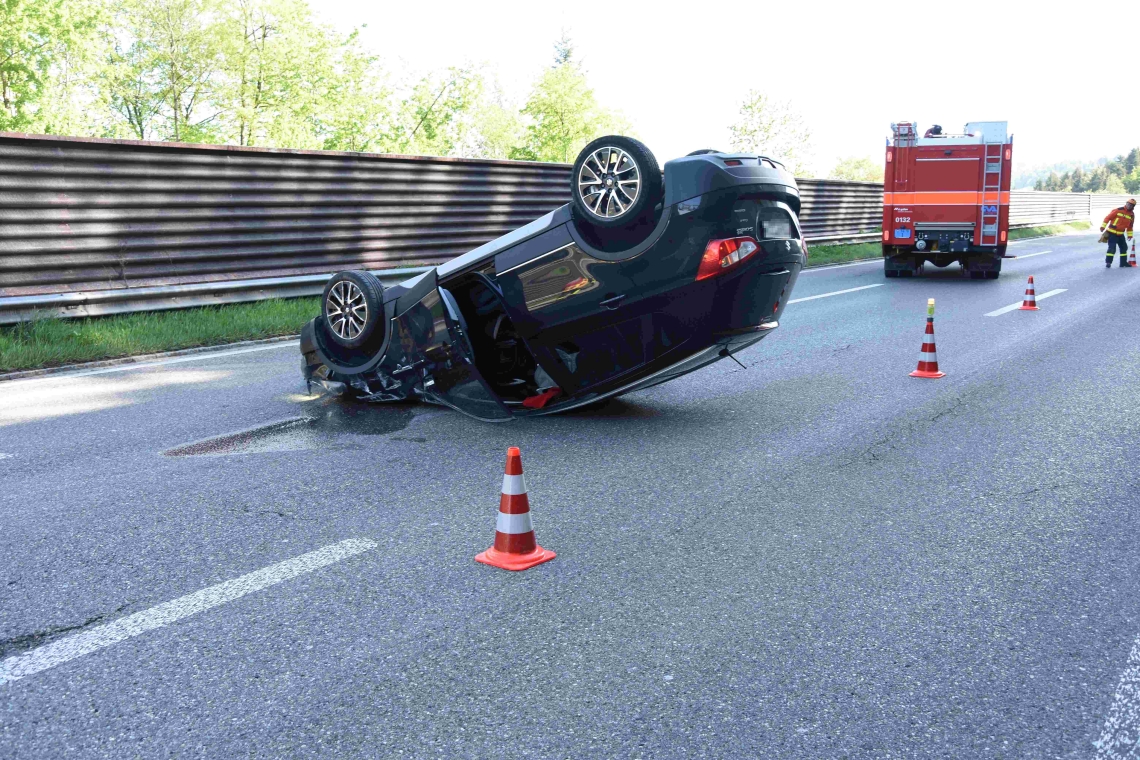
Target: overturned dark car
x,y
640,279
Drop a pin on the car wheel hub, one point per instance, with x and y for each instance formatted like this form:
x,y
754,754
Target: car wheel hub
x,y
609,182
346,310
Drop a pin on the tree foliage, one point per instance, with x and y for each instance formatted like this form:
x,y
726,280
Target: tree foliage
x,y
772,128
1118,175
858,170
270,73
563,113
40,41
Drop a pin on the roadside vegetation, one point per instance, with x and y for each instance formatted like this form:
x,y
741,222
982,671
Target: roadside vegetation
x,y
1049,229
55,342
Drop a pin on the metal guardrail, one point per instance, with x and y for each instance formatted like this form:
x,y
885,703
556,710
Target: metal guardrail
x,y
102,226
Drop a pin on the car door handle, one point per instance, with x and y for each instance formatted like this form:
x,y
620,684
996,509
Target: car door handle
x,y
613,302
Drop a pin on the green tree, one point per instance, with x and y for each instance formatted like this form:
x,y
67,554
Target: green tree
x,y
563,112
772,128
858,170
436,116
34,35
276,82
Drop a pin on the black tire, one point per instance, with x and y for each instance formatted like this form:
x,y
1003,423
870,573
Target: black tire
x,y
977,275
891,272
992,275
352,306
600,195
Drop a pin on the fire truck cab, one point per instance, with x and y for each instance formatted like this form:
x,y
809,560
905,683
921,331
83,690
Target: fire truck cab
x,y
946,199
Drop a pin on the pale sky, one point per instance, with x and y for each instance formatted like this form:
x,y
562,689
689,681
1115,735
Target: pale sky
x,y
679,70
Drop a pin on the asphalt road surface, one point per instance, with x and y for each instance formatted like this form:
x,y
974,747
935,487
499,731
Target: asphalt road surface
x,y
816,556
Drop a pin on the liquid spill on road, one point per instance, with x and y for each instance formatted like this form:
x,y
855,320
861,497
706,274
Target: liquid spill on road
x,y
323,426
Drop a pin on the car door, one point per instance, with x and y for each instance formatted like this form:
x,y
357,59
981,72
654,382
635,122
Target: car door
x,y
433,337
576,311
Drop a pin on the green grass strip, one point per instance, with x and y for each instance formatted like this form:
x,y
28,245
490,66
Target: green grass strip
x,y
53,342
1048,230
821,255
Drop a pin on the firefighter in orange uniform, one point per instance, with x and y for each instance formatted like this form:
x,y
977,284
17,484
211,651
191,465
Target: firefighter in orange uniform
x,y
1119,223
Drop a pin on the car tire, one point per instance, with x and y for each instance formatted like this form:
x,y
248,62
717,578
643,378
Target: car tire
x,y
616,182
352,306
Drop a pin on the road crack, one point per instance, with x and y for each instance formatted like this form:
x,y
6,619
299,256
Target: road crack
x,y
25,641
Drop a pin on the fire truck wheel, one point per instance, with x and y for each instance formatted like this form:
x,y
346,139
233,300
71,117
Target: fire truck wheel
x,y
891,273
992,275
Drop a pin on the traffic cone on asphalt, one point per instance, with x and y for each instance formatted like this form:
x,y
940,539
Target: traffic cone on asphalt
x,y
1132,256
928,355
515,546
1029,303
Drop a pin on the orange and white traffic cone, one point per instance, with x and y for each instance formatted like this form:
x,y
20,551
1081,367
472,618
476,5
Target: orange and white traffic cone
x,y
1132,256
515,546
1029,303
928,355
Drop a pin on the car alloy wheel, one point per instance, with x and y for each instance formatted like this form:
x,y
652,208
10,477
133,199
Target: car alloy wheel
x,y
609,182
346,310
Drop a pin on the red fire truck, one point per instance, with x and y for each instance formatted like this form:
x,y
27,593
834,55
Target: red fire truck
x,y
946,199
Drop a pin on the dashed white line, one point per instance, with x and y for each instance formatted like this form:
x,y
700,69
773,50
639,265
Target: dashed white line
x,y
834,293
1031,255
1012,306
1120,738
77,645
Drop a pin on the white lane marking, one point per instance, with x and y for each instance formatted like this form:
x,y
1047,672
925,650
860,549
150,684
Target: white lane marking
x,y
77,645
1120,738
834,293
159,363
1031,255
1012,306
829,267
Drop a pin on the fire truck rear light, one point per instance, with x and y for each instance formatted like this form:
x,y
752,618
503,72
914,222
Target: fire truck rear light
x,y
1007,154
722,255
890,156
886,234
1003,236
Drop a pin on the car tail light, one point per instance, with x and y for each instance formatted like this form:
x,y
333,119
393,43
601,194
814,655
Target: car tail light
x,y
732,162
722,255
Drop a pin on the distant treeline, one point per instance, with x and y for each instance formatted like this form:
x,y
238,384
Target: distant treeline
x,y
1119,175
